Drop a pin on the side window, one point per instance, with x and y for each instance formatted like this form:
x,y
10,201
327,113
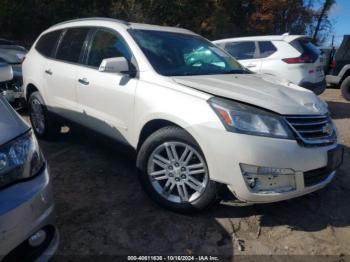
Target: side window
x,y
106,44
72,44
47,43
266,49
241,50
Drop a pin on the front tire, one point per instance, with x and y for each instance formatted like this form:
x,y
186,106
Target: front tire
x,y
345,88
173,171
44,123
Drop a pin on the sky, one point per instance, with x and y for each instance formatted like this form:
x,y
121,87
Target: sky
x,y
340,16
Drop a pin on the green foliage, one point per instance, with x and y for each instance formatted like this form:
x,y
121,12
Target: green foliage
x,y
23,20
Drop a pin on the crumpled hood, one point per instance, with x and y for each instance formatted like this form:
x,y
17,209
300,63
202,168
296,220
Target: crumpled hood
x,y
11,124
260,90
12,55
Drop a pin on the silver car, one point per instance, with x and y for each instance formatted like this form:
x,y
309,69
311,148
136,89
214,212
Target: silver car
x,y
13,90
27,227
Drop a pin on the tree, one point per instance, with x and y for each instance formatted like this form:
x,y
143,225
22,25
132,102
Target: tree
x,y
323,13
24,20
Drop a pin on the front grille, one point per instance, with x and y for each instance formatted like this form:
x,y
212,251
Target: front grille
x,y
313,130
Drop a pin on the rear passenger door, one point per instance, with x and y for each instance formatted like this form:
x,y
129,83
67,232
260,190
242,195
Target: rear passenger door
x,y
246,52
106,99
269,62
62,72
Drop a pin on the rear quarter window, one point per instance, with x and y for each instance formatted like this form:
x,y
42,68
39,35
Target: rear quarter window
x,y
47,43
305,46
266,48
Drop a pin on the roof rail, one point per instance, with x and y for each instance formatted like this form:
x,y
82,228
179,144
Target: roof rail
x,y
285,34
94,18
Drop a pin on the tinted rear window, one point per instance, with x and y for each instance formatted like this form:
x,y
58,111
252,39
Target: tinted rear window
x,y
47,43
305,46
241,50
72,44
266,49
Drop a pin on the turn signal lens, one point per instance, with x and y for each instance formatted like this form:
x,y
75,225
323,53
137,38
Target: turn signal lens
x,y
225,115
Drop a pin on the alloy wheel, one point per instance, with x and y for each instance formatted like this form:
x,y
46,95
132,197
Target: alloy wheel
x,y
37,116
178,172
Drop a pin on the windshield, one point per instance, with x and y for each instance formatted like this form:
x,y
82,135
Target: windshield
x,y
176,54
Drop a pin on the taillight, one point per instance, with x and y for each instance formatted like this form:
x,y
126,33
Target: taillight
x,y
304,58
333,64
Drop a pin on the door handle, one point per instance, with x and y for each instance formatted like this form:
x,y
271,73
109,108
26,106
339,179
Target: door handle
x,y
83,81
251,65
49,72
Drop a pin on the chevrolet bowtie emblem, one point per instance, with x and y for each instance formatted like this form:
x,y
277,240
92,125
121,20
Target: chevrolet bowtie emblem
x,y
327,129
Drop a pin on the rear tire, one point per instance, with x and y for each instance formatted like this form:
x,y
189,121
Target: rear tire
x,y
177,170
44,123
345,88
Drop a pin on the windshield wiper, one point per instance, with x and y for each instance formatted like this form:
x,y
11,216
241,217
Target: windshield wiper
x,y
240,71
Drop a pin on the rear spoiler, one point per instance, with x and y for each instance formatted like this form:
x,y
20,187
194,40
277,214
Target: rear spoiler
x,y
291,38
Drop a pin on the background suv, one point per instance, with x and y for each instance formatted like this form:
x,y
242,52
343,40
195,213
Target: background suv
x,y
291,57
199,121
339,72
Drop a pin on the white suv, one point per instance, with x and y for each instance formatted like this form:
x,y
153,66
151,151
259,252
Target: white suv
x,y
199,122
291,57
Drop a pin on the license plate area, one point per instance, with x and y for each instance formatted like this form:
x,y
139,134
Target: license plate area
x,y
275,183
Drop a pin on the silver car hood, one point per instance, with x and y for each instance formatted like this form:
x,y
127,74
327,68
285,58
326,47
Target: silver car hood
x,y
264,91
12,55
11,124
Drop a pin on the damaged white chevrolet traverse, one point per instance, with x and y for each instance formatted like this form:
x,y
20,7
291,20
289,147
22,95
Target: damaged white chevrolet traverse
x,y
199,121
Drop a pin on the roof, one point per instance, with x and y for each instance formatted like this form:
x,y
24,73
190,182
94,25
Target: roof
x,y
125,24
284,37
89,19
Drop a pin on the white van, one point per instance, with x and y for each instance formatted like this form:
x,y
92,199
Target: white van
x,y
197,119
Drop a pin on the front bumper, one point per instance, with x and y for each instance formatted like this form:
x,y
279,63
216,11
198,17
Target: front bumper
x,y
26,208
318,88
225,152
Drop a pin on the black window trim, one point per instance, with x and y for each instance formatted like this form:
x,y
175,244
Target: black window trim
x,y
86,46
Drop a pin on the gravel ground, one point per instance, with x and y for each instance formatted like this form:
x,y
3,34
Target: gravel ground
x,y
101,209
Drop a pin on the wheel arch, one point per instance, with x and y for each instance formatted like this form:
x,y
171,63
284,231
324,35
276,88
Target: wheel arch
x,y
344,76
30,89
152,126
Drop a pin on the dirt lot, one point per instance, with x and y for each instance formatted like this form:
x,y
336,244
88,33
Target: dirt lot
x,y
101,209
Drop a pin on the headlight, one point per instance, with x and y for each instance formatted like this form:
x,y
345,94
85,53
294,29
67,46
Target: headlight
x,y
245,119
20,159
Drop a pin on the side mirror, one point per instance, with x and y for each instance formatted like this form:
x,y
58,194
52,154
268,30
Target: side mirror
x,y
6,73
114,65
